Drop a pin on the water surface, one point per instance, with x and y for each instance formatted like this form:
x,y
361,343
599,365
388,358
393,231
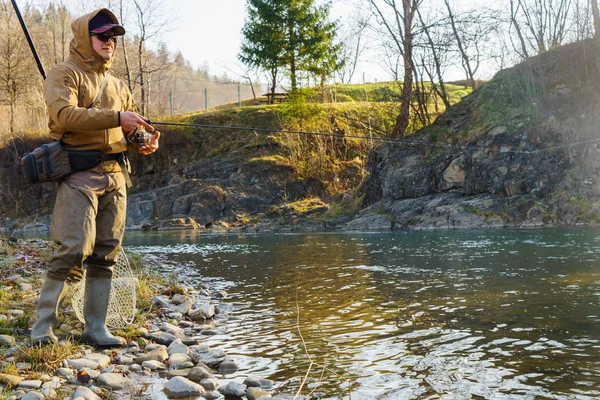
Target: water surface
x,y
495,314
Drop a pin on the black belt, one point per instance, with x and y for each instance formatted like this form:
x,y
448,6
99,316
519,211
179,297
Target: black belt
x,y
113,157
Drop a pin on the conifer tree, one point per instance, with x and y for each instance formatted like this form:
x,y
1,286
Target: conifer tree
x,y
291,34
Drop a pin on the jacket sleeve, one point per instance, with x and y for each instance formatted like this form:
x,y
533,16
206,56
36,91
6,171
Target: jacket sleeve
x,y
61,94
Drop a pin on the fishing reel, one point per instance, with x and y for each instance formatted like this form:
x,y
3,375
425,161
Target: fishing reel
x,y
139,136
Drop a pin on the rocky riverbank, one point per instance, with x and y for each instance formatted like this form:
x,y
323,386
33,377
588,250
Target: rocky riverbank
x,y
165,352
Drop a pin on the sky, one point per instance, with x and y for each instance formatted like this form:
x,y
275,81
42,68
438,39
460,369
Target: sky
x,y
210,31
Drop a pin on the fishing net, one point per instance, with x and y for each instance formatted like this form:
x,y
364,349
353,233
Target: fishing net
x,y
121,305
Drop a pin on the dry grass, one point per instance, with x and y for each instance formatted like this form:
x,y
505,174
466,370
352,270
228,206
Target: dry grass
x,y
46,358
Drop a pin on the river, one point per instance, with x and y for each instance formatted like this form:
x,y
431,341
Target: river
x,y
461,314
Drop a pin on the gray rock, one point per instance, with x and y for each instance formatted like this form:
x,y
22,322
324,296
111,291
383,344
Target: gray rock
x,y
173,330
177,361
7,341
209,384
199,373
153,365
113,381
202,312
159,354
163,338
172,373
184,307
179,298
178,387
203,354
30,384
23,366
85,393
66,372
252,381
53,383
228,366
135,368
234,389
33,396
253,393
102,359
49,393
177,347
161,301
80,363
214,395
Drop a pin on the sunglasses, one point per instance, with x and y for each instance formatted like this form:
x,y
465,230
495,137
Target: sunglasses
x,y
103,37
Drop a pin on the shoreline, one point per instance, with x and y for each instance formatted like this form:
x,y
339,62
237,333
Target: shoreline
x,y
164,344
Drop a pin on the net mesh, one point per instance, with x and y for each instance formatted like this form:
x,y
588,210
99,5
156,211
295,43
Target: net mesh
x,y
121,305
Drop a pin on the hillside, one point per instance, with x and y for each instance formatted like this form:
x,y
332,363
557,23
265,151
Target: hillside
x,y
241,179
525,153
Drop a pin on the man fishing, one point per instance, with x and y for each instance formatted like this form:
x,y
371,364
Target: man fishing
x,y
89,110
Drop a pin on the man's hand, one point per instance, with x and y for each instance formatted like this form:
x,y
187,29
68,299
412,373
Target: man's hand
x,y
131,120
152,146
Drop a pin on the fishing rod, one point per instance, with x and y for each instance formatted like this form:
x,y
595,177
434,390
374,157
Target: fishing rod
x,y
376,138
29,40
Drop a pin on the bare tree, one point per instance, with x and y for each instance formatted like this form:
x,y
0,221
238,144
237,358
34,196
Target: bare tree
x,y
16,73
151,20
58,19
596,17
398,22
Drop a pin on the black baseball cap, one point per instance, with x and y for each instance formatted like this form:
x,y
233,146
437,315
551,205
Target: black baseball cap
x,y
102,23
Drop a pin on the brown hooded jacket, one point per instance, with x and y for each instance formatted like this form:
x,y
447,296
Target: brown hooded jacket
x,y
71,88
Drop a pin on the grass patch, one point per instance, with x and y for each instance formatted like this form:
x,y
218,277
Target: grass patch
x,y
46,358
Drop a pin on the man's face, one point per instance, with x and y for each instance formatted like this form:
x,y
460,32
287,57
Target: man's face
x,y
104,44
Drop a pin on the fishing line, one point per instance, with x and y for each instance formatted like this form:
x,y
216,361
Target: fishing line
x,y
376,138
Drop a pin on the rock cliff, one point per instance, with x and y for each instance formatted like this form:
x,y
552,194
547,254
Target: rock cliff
x,y
523,150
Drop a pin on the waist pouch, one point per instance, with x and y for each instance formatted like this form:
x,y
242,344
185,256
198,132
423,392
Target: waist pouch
x,y
52,162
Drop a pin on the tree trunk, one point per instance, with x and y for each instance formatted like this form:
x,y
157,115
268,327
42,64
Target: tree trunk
x,y
461,49
143,104
596,15
403,118
125,56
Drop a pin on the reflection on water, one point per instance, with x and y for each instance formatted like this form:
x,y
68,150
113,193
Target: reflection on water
x,y
413,315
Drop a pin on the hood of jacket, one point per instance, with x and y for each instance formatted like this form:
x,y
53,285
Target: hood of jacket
x,y
81,50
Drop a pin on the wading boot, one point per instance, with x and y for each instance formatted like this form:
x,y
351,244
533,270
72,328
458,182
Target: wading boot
x,y
95,307
52,294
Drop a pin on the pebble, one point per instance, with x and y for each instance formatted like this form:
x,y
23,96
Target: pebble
x,y
85,393
66,372
159,354
81,363
178,347
172,329
153,365
163,337
179,298
102,359
16,313
234,389
254,393
53,383
209,384
30,384
135,368
113,381
199,373
7,340
12,380
33,396
178,372
228,366
181,387
202,312
23,366
252,381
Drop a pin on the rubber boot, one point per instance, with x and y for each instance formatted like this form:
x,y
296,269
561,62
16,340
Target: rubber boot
x,y
95,307
52,294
